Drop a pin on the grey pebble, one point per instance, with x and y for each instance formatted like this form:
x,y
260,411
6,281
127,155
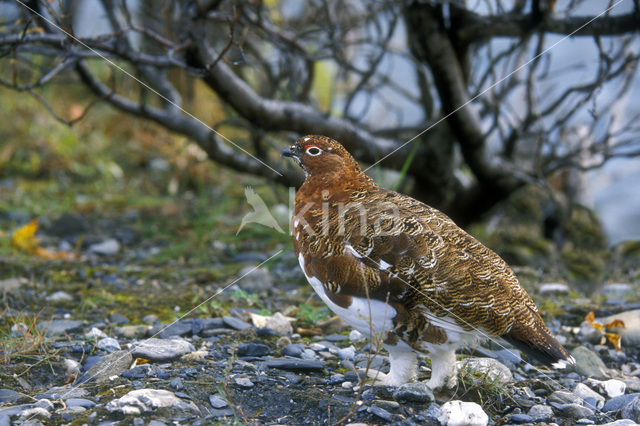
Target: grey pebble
x,y
564,397
60,326
176,384
8,395
521,418
576,411
293,349
243,382
414,392
618,402
222,412
252,350
79,402
178,328
293,364
236,323
541,412
217,401
108,344
161,349
380,412
631,411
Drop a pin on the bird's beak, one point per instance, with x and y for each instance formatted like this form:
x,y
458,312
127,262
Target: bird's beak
x,y
289,152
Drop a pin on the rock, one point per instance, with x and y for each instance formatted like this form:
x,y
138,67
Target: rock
x,y
622,422
178,328
71,366
588,363
380,412
575,411
8,395
509,357
611,388
619,402
118,318
68,225
333,325
294,364
108,366
161,349
632,383
414,392
223,412
617,290
356,336
60,326
107,247
243,382
79,402
235,323
133,331
95,333
217,401
521,418
33,412
584,392
491,368
554,288
59,296
460,413
108,344
347,353
254,280
140,401
564,397
252,350
63,392
631,411
541,413
280,324
630,333
294,349
176,384
11,284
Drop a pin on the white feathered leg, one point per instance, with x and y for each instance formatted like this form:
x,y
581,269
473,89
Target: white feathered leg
x,y
443,369
404,363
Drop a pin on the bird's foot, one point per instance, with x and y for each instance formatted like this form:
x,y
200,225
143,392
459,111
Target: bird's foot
x,y
382,379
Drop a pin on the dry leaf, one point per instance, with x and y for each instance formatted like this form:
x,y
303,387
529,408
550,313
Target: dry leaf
x,y
25,239
614,338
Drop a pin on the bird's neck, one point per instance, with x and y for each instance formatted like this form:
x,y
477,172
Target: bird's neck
x,y
322,189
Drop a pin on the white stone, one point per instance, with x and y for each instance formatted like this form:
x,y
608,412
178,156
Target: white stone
x,y
584,392
489,367
139,401
460,413
611,388
356,336
59,296
106,247
108,344
96,333
280,324
557,288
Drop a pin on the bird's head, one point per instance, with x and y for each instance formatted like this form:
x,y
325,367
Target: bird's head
x,y
320,155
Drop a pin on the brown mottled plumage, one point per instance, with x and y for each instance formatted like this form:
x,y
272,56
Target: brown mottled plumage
x,y
396,268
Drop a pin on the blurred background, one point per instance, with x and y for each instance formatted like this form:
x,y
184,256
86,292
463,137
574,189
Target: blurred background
x,y
132,128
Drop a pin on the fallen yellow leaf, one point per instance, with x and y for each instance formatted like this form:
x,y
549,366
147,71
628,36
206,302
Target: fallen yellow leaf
x,y
25,238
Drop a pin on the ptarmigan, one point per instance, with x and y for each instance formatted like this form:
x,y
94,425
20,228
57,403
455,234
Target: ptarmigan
x,y
403,273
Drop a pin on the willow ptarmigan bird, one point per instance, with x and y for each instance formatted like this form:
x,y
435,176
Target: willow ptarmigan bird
x,y
403,273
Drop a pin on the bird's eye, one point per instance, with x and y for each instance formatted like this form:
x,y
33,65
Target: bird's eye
x,y
313,151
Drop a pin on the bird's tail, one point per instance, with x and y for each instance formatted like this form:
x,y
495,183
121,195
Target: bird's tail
x,y
537,342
